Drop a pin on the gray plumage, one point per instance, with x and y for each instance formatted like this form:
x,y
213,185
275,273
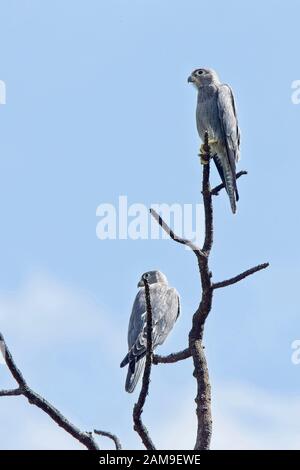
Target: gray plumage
x,y
216,114
165,307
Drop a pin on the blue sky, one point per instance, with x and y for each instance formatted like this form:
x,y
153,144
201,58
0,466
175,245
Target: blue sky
x,y
98,106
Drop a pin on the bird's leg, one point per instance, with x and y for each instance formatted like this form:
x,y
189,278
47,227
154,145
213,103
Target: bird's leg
x,y
204,153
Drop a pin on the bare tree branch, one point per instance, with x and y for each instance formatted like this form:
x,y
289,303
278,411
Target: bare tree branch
x,y
139,427
215,191
240,277
111,436
84,438
172,358
196,348
201,374
11,393
203,398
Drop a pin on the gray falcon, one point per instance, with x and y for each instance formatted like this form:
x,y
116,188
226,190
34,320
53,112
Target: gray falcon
x,y
216,114
165,307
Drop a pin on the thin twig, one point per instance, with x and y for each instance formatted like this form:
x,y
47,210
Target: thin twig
x,y
111,436
176,238
215,191
172,358
240,277
84,438
139,426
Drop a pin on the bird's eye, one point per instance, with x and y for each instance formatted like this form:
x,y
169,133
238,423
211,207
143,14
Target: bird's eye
x,y
199,72
146,275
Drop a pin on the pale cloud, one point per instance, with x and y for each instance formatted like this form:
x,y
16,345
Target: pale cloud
x,y
244,417
44,311
26,427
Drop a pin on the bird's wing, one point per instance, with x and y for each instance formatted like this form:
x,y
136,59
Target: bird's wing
x,y
230,136
171,311
229,124
165,311
136,340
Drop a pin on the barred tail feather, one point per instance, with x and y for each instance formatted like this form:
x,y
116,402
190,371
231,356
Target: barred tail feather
x,y
133,376
231,188
228,179
219,165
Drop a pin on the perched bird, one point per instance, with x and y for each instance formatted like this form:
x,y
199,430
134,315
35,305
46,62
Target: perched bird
x,y
216,115
165,308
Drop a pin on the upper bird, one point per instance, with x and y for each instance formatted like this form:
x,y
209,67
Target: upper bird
x,y
165,308
216,115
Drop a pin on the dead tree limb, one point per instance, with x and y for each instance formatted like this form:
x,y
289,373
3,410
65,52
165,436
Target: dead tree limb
x,y
240,277
172,358
201,373
176,238
196,348
139,426
84,438
111,436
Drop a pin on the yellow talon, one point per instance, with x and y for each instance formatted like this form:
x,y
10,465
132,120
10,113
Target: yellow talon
x,y
202,152
203,158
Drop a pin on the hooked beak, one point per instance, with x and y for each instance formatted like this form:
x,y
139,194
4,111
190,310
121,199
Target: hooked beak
x,y
191,79
141,283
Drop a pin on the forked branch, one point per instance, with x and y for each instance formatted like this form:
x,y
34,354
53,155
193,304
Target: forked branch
x,y
196,348
172,358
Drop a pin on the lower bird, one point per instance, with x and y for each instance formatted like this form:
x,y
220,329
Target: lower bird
x,y
165,306
216,115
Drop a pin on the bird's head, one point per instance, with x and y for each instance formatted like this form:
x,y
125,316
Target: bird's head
x,y
152,277
203,77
